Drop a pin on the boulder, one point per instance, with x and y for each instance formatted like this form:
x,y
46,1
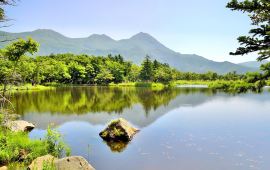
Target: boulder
x,y
118,130
3,168
73,163
19,125
39,162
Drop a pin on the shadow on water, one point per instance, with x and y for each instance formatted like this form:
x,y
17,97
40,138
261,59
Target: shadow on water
x,y
117,147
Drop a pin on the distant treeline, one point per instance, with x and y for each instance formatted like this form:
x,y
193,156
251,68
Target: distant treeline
x,y
84,69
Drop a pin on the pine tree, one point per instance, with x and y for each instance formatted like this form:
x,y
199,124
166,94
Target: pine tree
x,y
259,40
146,73
156,64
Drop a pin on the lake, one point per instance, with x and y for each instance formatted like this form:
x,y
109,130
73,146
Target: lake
x,y
180,128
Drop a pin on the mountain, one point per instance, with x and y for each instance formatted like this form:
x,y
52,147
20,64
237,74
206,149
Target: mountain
x,y
253,64
133,49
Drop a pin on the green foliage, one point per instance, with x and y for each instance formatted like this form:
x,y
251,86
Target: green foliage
x,y
237,86
2,11
14,145
5,70
259,41
266,69
1,117
54,144
18,147
17,49
146,73
104,77
97,70
118,132
48,165
253,77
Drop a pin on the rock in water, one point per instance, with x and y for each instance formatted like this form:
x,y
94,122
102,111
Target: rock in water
x,y
40,162
20,125
118,130
73,163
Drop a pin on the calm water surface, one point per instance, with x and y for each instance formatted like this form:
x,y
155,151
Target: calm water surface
x,y
181,129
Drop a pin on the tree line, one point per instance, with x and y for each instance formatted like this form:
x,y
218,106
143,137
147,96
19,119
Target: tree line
x,y
16,68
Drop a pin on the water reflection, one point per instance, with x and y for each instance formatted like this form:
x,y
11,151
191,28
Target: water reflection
x,y
81,100
116,146
99,105
180,128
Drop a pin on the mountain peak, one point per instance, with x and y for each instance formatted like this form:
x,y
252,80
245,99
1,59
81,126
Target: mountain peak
x,y
100,37
47,32
142,35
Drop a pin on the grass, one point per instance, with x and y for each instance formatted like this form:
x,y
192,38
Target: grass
x,y
18,150
26,87
238,86
190,82
14,145
154,86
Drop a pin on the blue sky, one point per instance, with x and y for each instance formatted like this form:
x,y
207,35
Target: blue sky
x,y
203,27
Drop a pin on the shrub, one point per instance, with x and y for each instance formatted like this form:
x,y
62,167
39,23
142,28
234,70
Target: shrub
x,y
18,147
55,145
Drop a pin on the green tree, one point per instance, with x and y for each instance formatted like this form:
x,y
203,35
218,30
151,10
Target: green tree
x,y
163,75
26,69
266,69
134,73
252,77
116,69
14,52
259,40
146,73
156,65
77,72
5,70
17,49
104,76
90,74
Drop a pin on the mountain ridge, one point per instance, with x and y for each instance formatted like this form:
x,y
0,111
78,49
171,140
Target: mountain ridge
x,y
253,64
133,49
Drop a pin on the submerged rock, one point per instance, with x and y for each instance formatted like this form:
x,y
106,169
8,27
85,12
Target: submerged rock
x,y
73,163
118,130
19,125
39,162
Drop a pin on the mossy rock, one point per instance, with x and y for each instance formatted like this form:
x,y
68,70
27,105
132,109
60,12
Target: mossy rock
x,y
118,130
